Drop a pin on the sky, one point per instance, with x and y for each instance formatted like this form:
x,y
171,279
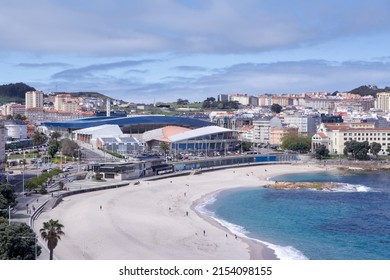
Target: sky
x,y
162,50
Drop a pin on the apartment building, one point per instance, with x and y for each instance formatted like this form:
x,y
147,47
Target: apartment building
x,y
306,124
34,99
13,109
277,134
262,128
382,101
65,102
42,115
334,136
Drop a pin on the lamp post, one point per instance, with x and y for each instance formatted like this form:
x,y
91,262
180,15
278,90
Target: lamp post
x,y
78,163
23,178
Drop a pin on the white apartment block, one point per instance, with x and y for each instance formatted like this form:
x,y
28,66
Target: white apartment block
x,y
243,99
334,136
383,101
262,129
34,99
307,125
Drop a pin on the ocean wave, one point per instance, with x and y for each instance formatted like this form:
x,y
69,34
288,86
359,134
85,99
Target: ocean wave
x,y
281,252
341,187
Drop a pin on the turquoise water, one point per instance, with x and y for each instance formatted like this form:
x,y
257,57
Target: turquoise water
x,y
347,223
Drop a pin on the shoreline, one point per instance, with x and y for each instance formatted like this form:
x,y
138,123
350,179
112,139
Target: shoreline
x,y
257,249
159,219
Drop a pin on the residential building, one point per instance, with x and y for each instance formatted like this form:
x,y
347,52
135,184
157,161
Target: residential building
x,y
383,101
34,99
307,125
243,99
13,109
44,115
334,136
262,127
277,134
65,102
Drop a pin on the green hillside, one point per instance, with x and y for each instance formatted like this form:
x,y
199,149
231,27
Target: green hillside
x,y
14,92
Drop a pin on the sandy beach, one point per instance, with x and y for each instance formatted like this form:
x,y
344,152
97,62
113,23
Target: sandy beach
x,y
158,219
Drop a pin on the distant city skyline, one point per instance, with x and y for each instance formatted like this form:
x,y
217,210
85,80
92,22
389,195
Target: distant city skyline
x,y
162,50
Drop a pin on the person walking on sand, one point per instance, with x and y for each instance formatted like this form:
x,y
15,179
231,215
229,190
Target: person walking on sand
x,y
101,207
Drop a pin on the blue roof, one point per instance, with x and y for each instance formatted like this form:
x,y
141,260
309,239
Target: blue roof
x,y
128,121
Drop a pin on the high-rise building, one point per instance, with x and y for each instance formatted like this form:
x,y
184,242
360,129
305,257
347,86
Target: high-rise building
x,y
34,99
383,101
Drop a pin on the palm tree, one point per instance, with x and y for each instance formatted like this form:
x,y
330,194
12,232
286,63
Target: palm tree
x,y
51,233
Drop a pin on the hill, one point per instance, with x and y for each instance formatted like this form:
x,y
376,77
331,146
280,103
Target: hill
x,y
85,94
369,90
14,92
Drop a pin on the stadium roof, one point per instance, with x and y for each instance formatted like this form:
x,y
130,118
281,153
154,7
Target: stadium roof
x,y
198,133
108,129
128,121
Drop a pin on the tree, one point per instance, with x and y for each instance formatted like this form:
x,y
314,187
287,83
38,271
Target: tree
x,y
295,142
209,103
321,152
69,147
17,242
276,108
182,101
51,233
358,150
55,135
164,147
53,148
38,138
7,197
246,146
375,148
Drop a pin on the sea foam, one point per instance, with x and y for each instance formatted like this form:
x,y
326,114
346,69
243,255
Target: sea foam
x,y
351,188
281,252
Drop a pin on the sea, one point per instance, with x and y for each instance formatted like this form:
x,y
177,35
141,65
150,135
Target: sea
x,y
348,222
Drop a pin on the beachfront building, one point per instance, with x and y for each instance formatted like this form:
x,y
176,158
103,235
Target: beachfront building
x,y
122,170
334,136
202,140
262,128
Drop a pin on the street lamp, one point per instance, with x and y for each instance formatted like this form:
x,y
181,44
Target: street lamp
x,y
23,177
